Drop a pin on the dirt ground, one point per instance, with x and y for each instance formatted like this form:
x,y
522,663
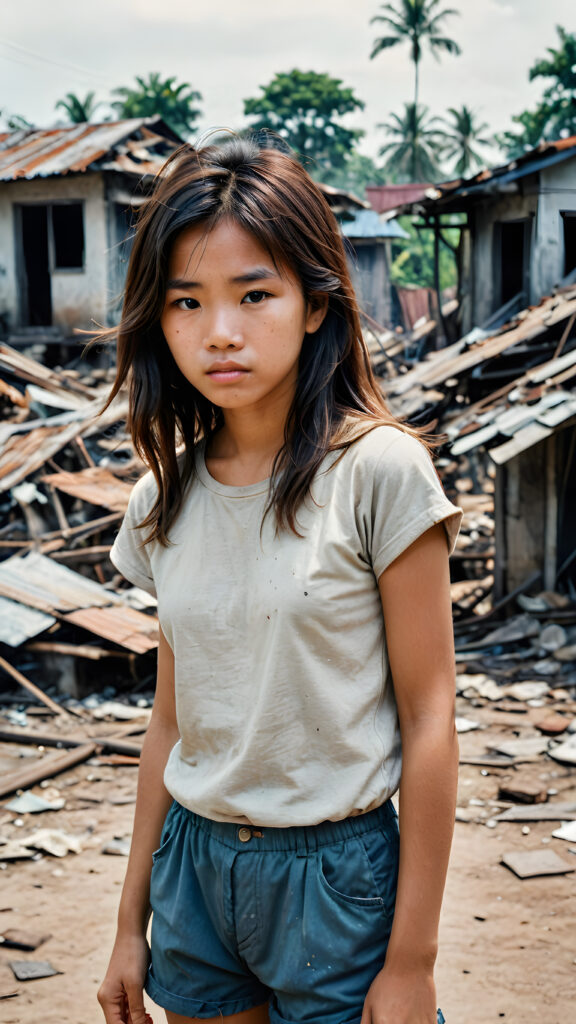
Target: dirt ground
x,y
508,946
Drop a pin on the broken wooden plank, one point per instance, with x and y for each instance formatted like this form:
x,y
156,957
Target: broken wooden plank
x,y
46,768
32,688
539,812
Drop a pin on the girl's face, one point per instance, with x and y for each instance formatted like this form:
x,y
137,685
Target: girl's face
x,y
232,322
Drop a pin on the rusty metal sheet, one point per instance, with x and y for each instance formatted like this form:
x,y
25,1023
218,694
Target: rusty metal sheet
x,y
125,626
19,623
40,582
37,582
461,357
96,485
524,439
69,149
22,455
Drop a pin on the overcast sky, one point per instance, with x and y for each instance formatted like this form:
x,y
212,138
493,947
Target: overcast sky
x,y
228,48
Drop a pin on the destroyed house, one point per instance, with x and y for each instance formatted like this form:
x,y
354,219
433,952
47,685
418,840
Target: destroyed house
x,y
519,237
67,201
66,198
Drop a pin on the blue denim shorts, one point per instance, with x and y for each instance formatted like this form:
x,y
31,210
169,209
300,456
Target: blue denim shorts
x,y
298,918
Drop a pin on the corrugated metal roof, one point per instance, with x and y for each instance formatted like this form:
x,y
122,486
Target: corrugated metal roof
x,y
368,224
18,623
35,581
69,149
388,197
546,154
96,485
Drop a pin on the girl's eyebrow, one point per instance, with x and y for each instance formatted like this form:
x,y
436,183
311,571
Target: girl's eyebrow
x,y
257,274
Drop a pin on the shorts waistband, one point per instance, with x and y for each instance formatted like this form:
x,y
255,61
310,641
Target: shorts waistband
x,y
297,838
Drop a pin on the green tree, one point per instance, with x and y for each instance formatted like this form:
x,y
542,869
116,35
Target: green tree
x,y
305,108
415,144
156,96
416,22
463,132
14,122
78,110
413,259
358,172
555,116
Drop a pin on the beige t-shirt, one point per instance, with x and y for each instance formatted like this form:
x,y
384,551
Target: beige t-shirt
x,y
284,697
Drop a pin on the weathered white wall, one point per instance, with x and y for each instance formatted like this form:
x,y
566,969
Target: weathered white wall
x,y
485,216
78,296
557,192
541,197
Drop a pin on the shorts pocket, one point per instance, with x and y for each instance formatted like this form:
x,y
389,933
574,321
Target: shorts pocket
x,y
345,873
168,830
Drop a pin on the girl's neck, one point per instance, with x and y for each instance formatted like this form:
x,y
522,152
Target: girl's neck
x,y
244,449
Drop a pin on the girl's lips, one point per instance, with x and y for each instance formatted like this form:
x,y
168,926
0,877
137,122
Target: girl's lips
x,y
226,376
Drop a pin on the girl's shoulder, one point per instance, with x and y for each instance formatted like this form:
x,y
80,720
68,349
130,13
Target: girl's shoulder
x,y
373,443
144,492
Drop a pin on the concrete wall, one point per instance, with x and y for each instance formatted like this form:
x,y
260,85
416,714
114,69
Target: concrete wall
x,y
492,210
541,196
371,280
78,296
557,192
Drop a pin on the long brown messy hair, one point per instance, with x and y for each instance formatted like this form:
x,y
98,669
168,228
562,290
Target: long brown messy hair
x,y
270,195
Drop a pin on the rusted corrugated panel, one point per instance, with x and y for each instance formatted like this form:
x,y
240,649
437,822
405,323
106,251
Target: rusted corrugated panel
x,y
96,485
122,625
524,439
38,582
74,148
459,358
18,623
41,582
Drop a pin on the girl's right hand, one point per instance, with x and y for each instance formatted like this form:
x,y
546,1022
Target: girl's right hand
x,y
121,994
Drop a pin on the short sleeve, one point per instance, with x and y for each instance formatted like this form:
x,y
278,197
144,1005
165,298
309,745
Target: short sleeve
x,y
407,499
129,554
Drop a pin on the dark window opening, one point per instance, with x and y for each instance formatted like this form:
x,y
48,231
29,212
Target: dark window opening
x,y
569,219
68,236
37,296
512,259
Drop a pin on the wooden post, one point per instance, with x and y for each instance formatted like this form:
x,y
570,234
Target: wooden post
x,y
551,517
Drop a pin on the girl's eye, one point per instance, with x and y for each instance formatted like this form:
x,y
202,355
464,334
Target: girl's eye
x,y
254,297
187,303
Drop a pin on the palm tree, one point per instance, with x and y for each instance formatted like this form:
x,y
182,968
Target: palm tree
x,y
414,150
161,97
462,134
79,110
415,21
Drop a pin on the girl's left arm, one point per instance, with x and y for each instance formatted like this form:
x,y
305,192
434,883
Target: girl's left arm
x,y
415,593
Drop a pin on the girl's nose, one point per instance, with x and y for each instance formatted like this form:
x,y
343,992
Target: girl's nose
x,y
223,332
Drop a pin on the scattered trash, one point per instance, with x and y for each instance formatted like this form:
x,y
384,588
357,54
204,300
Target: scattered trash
x,y
531,863
30,803
53,841
567,831
13,938
117,846
29,970
548,812
521,748
565,752
524,791
466,724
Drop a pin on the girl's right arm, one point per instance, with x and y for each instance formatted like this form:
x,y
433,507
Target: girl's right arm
x,y
121,993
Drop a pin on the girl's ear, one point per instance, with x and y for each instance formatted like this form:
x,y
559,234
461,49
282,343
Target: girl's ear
x,y
317,308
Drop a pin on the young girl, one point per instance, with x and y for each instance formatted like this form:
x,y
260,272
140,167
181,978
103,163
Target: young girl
x,y
297,538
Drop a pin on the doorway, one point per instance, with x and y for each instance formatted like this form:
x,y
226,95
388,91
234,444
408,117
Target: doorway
x,y
37,297
512,260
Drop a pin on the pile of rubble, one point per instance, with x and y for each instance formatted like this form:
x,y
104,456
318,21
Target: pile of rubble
x,y
65,477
